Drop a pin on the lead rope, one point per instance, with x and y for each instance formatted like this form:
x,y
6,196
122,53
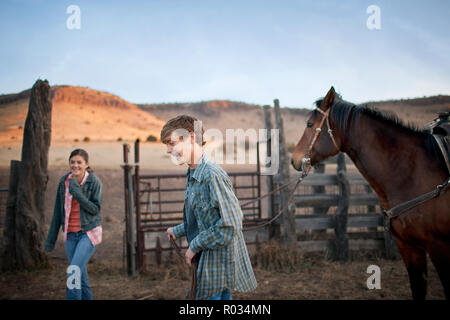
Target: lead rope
x,y
194,267
298,181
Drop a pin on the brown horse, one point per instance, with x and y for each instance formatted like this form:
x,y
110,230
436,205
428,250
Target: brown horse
x,y
399,162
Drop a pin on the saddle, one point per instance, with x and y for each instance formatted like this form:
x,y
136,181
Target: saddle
x,y
440,129
440,125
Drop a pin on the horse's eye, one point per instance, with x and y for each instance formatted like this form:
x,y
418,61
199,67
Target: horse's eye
x,y
309,124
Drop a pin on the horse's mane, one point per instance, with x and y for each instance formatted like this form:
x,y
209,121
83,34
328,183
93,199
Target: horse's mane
x,y
341,108
342,112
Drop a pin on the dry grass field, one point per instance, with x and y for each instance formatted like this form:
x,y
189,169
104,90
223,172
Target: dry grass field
x,y
290,275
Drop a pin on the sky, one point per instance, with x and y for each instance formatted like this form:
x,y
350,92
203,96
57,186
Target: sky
x,y
161,51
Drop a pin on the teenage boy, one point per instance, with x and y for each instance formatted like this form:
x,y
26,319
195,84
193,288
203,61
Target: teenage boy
x,y
212,217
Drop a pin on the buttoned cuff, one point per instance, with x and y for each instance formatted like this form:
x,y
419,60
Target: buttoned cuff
x,y
195,245
179,231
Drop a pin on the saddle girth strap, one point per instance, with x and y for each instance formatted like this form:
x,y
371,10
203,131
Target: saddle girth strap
x,y
402,207
444,148
443,143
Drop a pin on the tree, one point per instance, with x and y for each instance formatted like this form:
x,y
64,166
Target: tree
x,y
23,235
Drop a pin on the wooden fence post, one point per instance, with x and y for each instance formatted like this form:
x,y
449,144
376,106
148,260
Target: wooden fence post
x,y
272,209
257,244
158,251
340,228
128,188
289,236
137,201
23,235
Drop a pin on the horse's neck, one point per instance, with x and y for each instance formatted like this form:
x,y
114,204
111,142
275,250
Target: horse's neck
x,y
374,149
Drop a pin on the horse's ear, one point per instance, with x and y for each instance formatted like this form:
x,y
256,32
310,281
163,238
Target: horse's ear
x,y
329,99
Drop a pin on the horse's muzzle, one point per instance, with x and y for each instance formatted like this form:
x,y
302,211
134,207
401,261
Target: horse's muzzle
x,y
293,165
305,164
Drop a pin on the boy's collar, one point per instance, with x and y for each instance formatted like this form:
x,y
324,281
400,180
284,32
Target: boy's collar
x,y
200,168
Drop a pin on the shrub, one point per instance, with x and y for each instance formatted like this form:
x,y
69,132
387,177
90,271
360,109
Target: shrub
x,y
276,257
152,138
86,139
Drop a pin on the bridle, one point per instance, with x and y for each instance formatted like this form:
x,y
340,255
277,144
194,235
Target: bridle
x,y
306,160
305,168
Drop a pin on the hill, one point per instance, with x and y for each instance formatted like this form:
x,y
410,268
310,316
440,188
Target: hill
x,y
104,117
419,111
228,114
220,114
79,113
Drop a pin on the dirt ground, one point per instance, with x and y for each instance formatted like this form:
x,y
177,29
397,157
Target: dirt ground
x,y
312,276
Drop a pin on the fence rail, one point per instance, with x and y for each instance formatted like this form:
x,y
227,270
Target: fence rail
x,y
316,222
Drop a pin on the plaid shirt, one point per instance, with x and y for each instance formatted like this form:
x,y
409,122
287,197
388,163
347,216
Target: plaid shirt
x,y
224,263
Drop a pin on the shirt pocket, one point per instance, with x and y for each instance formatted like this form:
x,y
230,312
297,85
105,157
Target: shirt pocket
x,y
205,211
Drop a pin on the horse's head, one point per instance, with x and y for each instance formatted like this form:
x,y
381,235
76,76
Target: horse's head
x,y
318,141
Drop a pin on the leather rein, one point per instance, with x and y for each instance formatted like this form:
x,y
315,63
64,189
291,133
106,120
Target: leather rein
x,y
306,167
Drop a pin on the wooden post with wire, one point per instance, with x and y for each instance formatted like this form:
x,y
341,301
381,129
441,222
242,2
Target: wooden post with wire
x,y
129,230
272,208
289,236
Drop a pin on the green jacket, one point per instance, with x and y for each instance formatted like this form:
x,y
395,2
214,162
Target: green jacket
x,y
89,196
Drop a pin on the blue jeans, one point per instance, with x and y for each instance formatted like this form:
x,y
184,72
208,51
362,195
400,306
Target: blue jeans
x,y
79,250
224,295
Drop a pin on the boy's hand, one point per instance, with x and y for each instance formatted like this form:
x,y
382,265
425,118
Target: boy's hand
x,y
189,255
170,234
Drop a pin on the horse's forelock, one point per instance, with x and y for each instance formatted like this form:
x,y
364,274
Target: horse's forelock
x,y
318,102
